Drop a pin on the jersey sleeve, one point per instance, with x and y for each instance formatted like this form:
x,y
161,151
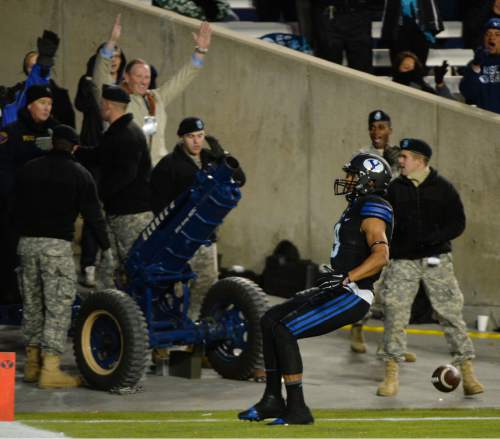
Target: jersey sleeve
x,y
377,208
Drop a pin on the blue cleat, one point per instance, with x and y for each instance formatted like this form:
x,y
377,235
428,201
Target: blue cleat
x,y
269,406
300,416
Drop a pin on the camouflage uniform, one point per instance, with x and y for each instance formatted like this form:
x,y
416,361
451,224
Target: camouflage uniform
x,y
204,264
441,286
125,229
47,282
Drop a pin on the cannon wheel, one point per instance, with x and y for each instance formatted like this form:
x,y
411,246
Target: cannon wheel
x,y
111,340
238,304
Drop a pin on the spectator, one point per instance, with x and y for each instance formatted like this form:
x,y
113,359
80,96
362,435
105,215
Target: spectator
x,y
20,142
39,75
209,10
340,26
87,101
475,17
173,175
62,109
125,167
429,214
50,192
410,71
410,25
481,82
148,107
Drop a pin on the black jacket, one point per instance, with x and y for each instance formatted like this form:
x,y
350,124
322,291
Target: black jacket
x,y
428,18
49,194
176,172
87,101
62,109
125,168
17,146
426,218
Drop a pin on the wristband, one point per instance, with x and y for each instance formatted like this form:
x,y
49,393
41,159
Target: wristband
x,y
199,49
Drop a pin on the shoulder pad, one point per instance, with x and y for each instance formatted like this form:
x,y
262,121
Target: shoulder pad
x,y
376,207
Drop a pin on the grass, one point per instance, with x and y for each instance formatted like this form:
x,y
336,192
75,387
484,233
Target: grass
x,y
222,424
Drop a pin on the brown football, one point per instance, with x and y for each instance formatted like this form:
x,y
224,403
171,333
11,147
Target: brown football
x,y
446,378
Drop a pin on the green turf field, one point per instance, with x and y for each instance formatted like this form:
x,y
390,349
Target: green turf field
x,y
483,423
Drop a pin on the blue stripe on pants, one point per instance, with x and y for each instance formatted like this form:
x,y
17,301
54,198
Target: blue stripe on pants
x,y
334,312
317,313
316,310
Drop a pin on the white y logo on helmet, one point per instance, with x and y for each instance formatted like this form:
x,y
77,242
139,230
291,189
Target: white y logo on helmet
x,y
373,165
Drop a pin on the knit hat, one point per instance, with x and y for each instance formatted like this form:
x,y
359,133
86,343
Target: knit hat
x,y
115,94
37,92
190,125
65,132
492,23
416,145
378,116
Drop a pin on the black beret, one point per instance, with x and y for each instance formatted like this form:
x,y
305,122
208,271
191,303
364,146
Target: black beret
x,y
190,125
115,94
65,132
378,116
416,145
37,92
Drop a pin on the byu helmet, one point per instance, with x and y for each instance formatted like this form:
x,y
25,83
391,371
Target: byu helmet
x,y
373,172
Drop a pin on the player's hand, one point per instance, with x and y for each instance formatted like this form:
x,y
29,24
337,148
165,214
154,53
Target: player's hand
x,y
203,38
330,280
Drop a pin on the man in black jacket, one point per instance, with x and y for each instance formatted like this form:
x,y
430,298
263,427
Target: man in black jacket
x,y
174,174
49,194
125,167
21,141
428,215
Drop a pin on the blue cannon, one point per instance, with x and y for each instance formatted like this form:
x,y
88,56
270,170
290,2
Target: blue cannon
x,y
114,330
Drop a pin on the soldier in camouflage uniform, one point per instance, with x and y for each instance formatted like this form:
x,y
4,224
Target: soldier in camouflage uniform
x,y
174,174
428,215
379,130
50,192
125,168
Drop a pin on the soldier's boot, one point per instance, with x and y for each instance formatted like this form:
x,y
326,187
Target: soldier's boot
x,y
32,365
410,357
390,385
358,344
52,377
470,383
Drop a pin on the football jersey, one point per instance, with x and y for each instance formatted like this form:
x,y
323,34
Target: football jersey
x,y
350,248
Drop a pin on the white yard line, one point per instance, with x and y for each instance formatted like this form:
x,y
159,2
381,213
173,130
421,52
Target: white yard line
x,y
208,420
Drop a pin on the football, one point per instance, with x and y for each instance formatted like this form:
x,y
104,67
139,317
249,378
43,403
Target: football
x,y
446,378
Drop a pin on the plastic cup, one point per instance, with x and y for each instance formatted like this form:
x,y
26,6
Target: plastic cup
x,y
482,323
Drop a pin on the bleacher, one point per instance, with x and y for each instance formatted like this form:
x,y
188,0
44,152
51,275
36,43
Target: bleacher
x,y
448,46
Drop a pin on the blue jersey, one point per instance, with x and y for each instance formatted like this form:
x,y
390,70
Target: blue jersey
x,y
350,248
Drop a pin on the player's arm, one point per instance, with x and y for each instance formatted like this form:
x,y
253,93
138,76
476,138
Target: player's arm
x,y
374,230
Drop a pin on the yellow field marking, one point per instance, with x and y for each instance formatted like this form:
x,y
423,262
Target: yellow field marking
x,y
472,334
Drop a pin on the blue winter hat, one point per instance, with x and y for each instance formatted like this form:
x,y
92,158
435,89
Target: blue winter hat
x,y
492,23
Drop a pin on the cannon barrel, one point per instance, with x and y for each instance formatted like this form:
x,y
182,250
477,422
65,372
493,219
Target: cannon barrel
x,y
166,245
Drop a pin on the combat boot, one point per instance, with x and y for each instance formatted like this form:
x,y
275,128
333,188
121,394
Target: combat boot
x,y
357,339
32,365
470,383
52,377
390,385
410,357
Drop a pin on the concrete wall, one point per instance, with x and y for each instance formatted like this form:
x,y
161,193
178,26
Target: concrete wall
x,y
292,120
